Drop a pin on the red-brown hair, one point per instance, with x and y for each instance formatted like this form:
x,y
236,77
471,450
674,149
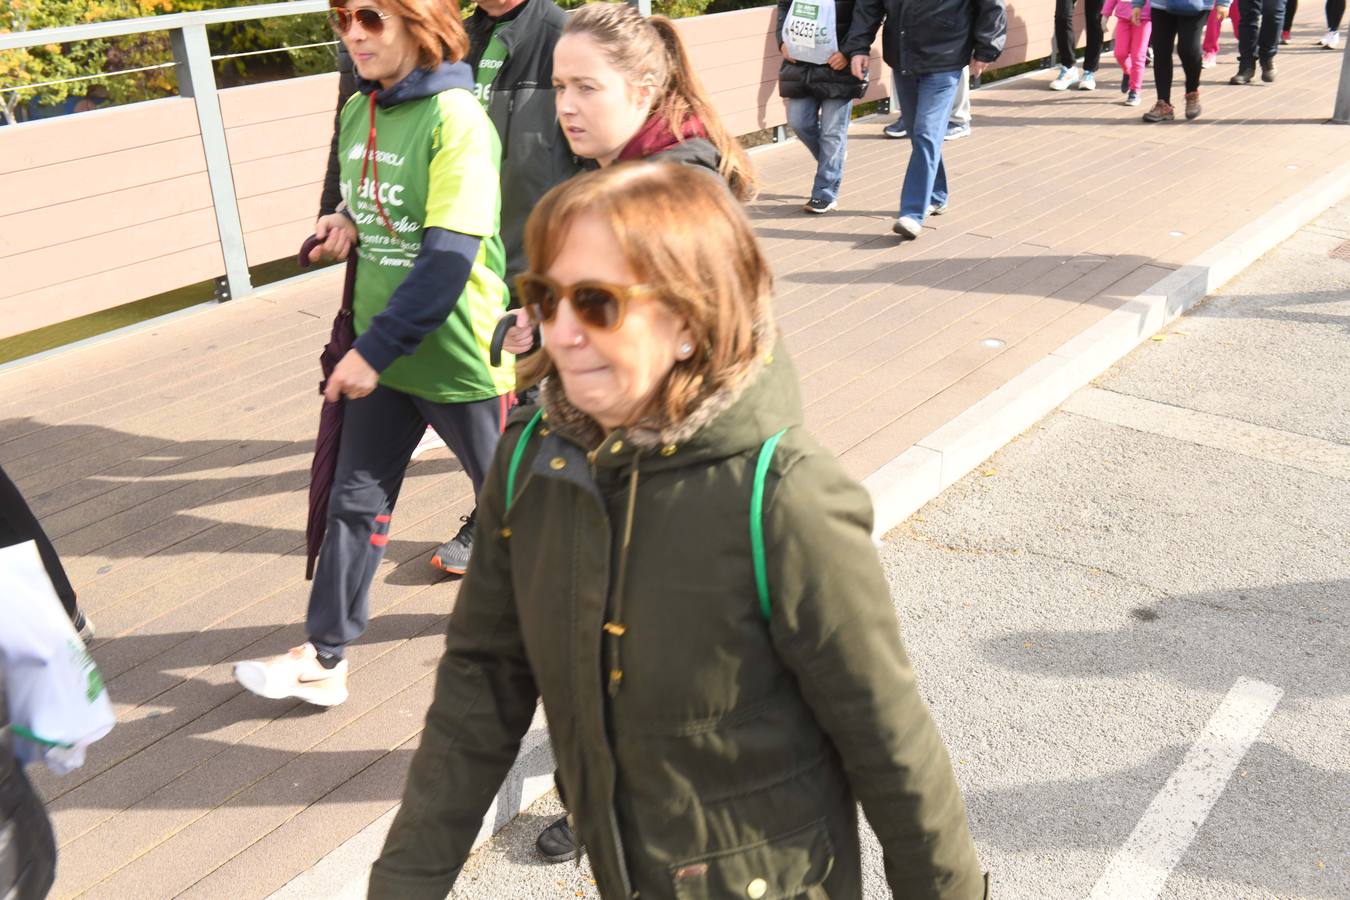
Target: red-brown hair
x,y
434,25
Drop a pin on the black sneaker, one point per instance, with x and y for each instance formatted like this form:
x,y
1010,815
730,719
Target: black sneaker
x,y
453,555
557,843
1125,84
819,207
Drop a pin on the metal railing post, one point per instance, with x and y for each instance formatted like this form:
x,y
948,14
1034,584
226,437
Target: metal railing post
x,y
197,79
1341,113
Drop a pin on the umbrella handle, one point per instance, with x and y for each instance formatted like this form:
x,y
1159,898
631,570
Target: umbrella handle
x,y
504,324
310,243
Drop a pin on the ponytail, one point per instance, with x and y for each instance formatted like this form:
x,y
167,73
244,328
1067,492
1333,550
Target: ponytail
x,y
683,97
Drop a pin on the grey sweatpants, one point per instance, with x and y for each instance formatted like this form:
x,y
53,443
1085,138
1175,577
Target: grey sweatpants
x,y
379,433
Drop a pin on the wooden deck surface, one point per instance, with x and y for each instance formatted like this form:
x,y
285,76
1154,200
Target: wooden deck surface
x,y
170,466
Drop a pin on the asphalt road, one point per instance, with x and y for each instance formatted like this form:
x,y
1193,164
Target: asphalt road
x,y
1084,608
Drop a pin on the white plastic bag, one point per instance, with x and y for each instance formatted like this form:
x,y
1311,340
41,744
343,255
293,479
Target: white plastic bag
x,y
57,703
808,31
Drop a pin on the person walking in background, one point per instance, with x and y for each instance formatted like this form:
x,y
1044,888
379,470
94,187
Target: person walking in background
x,y
1335,13
714,729
1214,30
1069,73
1258,39
1290,10
928,44
1130,45
1178,26
819,89
511,53
419,177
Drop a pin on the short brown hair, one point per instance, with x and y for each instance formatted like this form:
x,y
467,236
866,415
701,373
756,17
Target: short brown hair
x,y
680,230
435,28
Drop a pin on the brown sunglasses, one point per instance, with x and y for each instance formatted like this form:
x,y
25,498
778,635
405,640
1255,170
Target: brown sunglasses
x,y
598,304
371,20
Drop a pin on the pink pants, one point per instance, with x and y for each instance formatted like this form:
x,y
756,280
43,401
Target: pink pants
x,y
1214,28
1131,48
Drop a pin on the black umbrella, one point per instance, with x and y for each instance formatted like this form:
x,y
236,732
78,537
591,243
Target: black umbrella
x,y
324,466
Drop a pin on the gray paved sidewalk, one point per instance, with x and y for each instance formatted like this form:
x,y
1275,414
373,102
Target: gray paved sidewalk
x,y
1080,605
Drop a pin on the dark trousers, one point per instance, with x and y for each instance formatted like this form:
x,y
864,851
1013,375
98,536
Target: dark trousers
x,y
379,433
1092,12
1335,12
1182,35
18,525
1290,10
1259,30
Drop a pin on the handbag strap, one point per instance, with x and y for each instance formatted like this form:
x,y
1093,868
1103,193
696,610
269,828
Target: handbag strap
x,y
757,523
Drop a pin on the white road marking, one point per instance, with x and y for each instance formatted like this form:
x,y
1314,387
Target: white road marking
x,y
1140,868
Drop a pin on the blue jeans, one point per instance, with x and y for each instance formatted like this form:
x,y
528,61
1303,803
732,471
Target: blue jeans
x,y
926,104
822,126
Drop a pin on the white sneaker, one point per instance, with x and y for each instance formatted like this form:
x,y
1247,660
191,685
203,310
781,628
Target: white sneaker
x,y
1068,77
296,673
907,228
430,441
1331,40
1088,82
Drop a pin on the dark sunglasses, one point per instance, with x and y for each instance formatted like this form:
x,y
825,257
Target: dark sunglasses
x,y
598,304
372,20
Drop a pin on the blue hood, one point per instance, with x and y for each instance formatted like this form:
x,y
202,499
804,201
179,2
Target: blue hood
x,y
420,83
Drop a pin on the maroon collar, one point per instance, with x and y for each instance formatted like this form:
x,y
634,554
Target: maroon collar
x,y
655,137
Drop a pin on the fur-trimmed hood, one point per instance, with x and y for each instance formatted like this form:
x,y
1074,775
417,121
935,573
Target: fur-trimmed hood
x,y
737,416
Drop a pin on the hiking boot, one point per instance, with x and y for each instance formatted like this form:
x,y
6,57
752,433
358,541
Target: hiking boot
x,y
296,673
557,843
896,129
819,206
1132,98
1193,105
907,228
84,627
1068,77
1088,82
1161,112
1268,70
453,555
1244,76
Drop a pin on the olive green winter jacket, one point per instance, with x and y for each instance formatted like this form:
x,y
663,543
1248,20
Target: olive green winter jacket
x,y
703,751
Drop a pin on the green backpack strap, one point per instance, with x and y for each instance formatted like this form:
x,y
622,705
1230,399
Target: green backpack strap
x,y
757,523
517,456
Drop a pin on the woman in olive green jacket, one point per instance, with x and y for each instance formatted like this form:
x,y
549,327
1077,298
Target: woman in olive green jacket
x,y
712,738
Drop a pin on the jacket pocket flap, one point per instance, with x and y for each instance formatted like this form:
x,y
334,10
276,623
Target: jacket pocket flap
x,y
784,866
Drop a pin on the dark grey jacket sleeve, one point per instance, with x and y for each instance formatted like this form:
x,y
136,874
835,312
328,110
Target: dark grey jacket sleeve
x,y
991,29
867,16
346,87
424,300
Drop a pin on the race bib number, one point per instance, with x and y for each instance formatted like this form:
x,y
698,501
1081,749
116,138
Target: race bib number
x,y
808,31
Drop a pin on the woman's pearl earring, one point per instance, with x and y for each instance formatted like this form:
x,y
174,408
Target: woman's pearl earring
x,y
686,350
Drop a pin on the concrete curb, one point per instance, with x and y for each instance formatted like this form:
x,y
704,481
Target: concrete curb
x,y
933,464
913,478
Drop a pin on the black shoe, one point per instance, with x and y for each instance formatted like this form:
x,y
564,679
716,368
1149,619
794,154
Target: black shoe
x,y
557,843
1243,76
819,206
1125,84
1268,70
453,555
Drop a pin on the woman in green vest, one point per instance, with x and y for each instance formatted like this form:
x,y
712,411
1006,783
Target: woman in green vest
x,y
688,580
418,176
